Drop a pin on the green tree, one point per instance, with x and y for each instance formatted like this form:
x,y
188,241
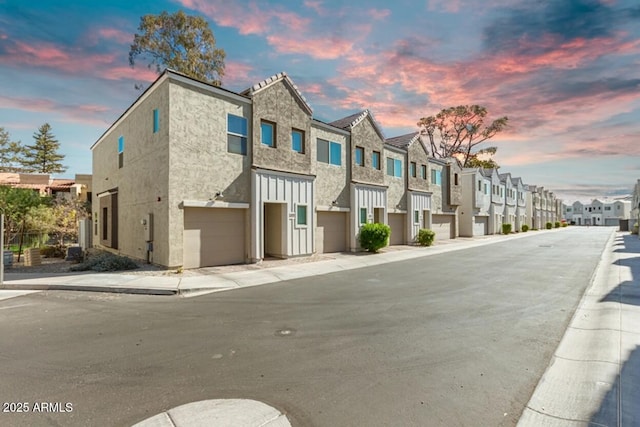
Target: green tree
x,y
11,153
483,159
43,156
16,204
456,131
181,42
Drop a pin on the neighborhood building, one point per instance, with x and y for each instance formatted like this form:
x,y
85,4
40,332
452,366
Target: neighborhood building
x,y
45,185
194,175
599,212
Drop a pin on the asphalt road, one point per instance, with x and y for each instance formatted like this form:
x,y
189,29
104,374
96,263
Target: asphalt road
x,y
457,339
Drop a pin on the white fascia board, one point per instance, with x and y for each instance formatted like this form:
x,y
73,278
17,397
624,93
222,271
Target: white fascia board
x,y
212,204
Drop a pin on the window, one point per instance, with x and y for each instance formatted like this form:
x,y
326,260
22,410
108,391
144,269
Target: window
x,y
329,152
375,160
120,151
156,120
268,133
423,172
416,217
479,185
236,134
607,208
394,167
455,179
301,215
413,169
105,219
359,156
436,177
363,215
568,209
297,141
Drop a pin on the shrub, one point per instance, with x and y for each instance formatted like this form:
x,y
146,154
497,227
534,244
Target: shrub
x,y
52,252
564,224
557,224
525,228
635,229
426,237
106,262
549,226
374,236
506,228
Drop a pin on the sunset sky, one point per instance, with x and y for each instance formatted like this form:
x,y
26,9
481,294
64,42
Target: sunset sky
x,y
565,72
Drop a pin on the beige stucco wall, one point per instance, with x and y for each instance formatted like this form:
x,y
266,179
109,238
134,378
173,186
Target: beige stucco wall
x,y
277,103
142,179
364,135
199,161
396,192
332,182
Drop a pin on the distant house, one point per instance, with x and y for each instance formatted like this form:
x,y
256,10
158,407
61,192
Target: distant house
x,y
78,188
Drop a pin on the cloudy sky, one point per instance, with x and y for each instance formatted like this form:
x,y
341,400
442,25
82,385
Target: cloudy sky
x,y
565,72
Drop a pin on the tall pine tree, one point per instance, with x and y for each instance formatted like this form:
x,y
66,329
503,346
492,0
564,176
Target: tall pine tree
x,y
43,157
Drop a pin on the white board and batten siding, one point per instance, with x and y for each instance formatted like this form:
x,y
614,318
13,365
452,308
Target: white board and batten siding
x,y
370,197
420,202
292,190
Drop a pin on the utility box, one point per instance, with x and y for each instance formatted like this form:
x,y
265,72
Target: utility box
x,y
148,228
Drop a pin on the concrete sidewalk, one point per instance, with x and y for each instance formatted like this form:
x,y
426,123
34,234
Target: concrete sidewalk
x,y
594,375
172,284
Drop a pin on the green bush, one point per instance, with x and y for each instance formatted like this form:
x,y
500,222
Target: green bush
x,y
564,224
635,229
557,224
525,228
549,226
426,237
374,236
106,262
506,228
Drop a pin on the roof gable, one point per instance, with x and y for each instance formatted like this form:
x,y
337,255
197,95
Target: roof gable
x,y
280,77
403,141
349,122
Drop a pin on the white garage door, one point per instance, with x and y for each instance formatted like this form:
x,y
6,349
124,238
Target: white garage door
x,y
441,225
334,231
213,237
397,224
480,225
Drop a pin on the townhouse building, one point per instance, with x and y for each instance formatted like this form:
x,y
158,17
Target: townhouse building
x,y
446,196
195,175
521,199
599,213
476,203
635,206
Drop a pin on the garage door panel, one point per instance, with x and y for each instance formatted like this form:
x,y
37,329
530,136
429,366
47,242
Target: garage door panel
x,y
397,224
441,225
213,237
480,226
334,226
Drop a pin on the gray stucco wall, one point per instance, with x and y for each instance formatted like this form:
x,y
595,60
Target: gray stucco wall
x,y
454,188
417,154
278,104
364,135
396,192
332,182
436,190
142,179
200,164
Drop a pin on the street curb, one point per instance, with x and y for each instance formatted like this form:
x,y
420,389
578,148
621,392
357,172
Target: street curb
x,y
108,289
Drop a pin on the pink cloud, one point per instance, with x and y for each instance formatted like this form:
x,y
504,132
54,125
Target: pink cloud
x,y
237,73
119,36
319,48
285,31
378,14
68,112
